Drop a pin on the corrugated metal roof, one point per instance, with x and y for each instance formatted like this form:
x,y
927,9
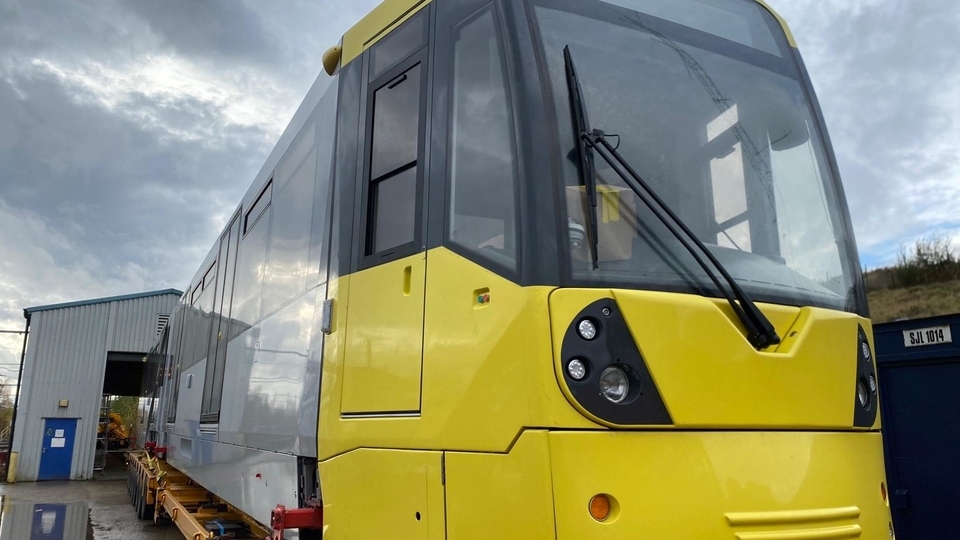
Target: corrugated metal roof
x,y
103,300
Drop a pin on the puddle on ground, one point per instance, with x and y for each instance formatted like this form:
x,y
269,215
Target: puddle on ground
x,y
24,520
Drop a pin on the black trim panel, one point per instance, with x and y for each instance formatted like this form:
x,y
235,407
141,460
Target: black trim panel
x,y
613,345
346,166
865,416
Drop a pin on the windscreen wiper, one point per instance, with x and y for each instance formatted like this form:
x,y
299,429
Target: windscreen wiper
x,y
587,169
760,331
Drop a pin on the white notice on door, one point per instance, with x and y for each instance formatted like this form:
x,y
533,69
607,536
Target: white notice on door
x,y
58,433
57,442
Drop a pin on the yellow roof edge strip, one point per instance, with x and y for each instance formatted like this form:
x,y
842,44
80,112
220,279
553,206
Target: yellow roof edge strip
x,y
377,24
783,23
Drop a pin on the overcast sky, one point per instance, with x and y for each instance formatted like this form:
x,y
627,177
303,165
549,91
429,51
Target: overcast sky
x,y
129,129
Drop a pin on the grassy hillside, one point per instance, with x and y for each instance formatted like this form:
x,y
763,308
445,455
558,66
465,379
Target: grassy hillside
x,y
914,302
924,282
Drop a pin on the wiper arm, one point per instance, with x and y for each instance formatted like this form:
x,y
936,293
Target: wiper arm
x,y
760,331
586,165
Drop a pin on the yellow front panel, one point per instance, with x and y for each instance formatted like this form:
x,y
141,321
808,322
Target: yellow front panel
x,y
382,360
501,495
487,368
710,376
720,485
383,494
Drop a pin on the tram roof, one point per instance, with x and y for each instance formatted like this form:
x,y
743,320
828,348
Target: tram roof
x,y
391,13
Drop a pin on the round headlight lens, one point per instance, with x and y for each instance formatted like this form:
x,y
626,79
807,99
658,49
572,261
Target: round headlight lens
x,y
614,384
866,350
577,369
862,396
587,329
872,383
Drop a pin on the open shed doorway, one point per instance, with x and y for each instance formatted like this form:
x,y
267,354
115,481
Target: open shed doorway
x,y
122,381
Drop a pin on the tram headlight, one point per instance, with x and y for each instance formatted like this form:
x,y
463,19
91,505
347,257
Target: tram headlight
x,y
863,395
872,383
614,384
587,329
577,369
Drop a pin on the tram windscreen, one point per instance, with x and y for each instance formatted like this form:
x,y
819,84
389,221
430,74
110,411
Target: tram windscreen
x,y
715,118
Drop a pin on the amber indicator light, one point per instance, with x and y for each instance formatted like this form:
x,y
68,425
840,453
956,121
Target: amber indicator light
x,y
600,507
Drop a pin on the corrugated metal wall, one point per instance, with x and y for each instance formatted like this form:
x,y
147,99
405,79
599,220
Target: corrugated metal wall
x,y
66,359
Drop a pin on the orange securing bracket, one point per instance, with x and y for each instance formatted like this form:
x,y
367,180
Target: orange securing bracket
x,y
310,517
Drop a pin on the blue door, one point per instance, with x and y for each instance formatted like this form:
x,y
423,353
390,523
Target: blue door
x,y
57,452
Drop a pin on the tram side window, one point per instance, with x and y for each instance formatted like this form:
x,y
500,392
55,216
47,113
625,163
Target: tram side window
x,y
176,356
285,271
248,277
202,313
393,162
482,164
263,201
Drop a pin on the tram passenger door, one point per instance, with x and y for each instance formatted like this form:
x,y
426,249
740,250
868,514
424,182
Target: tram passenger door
x,y
384,335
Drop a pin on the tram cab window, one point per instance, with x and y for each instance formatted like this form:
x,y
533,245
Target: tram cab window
x,y
482,164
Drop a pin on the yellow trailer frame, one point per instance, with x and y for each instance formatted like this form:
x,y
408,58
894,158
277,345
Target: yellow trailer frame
x,y
154,483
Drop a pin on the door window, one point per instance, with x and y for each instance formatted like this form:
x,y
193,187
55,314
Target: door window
x,y
394,156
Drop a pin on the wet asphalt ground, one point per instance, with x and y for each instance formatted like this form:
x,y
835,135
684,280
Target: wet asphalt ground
x,y
96,509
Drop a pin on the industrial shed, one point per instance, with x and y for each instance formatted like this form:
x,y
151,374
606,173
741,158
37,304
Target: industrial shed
x,y
76,354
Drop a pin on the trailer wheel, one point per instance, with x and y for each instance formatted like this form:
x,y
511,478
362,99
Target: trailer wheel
x,y
136,499
144,511
147,510
131,474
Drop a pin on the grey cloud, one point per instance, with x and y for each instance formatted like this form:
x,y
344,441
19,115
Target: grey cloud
x,y
296,23
228,28
67,29
122,191
881,71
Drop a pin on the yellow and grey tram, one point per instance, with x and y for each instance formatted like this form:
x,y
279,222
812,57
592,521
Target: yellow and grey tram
x,y
539,269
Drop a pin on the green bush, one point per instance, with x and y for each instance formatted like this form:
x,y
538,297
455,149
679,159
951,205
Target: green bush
x,y
932,260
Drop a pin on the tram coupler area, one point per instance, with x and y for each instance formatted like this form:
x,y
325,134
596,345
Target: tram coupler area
x,y
154,450
283,518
